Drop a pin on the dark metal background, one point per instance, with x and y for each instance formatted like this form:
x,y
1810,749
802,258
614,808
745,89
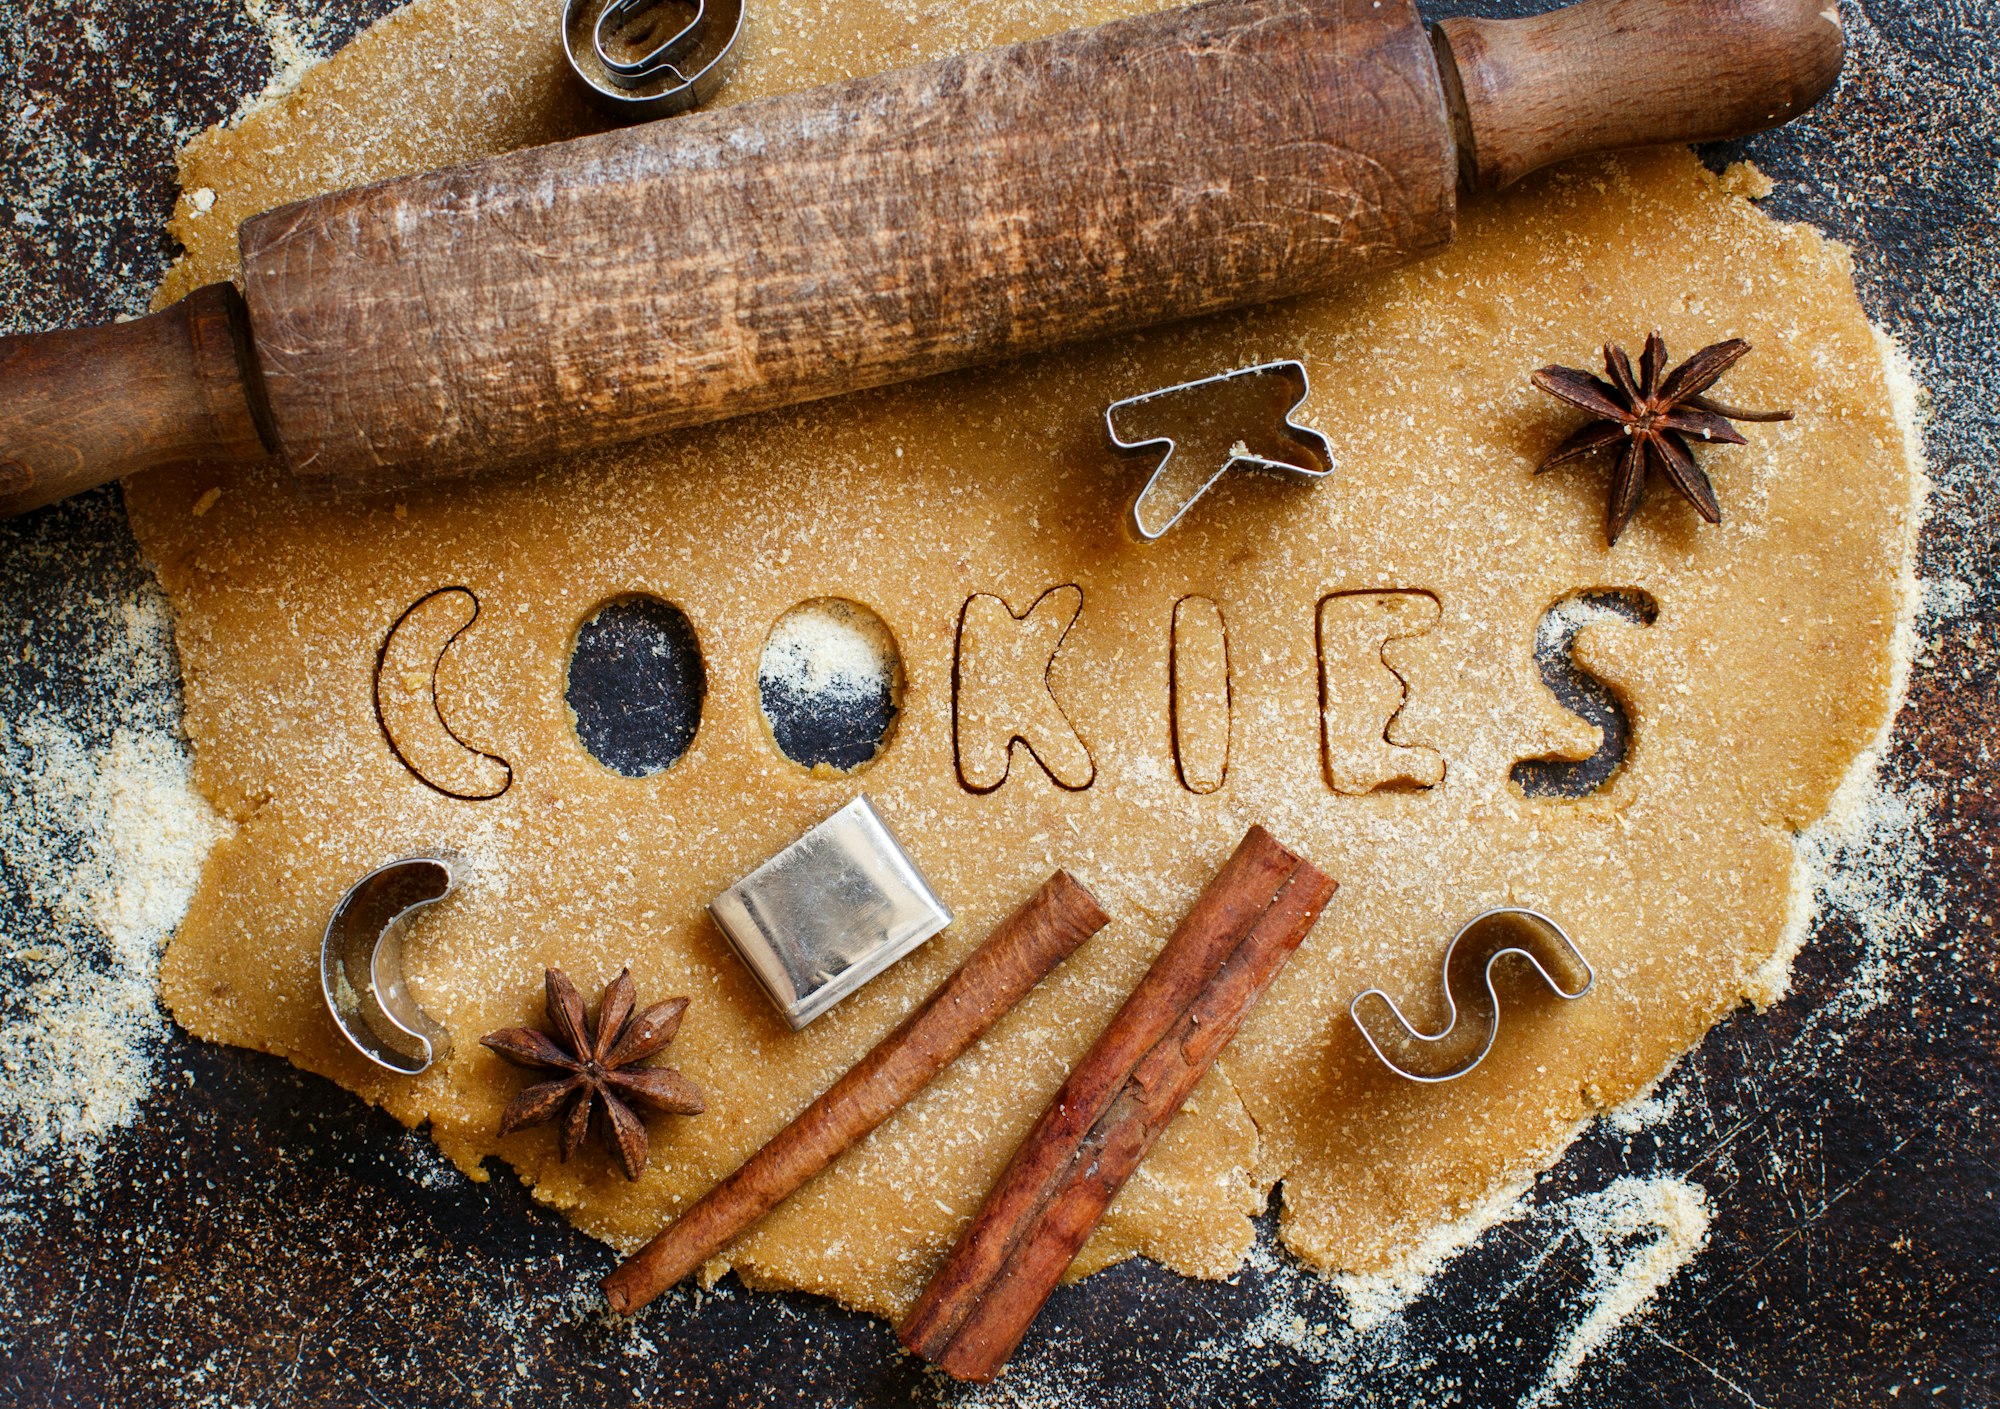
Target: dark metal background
x,y
261,1238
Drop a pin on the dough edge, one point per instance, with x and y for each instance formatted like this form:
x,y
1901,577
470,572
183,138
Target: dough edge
x,y
1762,987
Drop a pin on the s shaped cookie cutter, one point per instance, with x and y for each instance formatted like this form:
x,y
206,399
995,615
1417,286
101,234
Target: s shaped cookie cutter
x,y
361,965
1474,952
626,75
1201,430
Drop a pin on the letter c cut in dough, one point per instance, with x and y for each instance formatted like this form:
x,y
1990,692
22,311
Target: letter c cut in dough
x,y
1770,669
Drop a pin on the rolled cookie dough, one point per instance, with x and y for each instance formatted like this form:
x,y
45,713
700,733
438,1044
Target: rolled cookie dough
x,y
1767,672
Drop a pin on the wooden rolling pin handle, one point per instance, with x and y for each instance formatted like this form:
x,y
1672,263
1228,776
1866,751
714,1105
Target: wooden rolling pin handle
x,y
876,231
81,406
1610,74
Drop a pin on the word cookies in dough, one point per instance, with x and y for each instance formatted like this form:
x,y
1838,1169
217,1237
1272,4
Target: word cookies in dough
x,y
1348,662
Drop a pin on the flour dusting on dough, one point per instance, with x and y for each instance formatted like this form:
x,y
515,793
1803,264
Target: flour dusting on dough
x,y
1535,277
1861,856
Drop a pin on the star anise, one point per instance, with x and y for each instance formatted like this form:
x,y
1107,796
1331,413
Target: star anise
x,y
600,1067
1650,418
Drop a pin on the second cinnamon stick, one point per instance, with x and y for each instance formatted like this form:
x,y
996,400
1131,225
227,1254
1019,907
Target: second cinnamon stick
x,y
1115,1104
1014,958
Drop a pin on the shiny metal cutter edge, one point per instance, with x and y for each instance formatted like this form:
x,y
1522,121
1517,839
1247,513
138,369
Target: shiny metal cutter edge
x,y
829,912
361,958
626,97
1165,445
1546,927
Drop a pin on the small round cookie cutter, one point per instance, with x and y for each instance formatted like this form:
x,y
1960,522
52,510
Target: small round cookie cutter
x,y
634,64
361,964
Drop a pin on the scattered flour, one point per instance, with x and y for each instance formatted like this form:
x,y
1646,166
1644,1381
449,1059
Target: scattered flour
x,y
1641,1232
1647,1110
1374,1298
291,55
424,1164
1862,862
102,838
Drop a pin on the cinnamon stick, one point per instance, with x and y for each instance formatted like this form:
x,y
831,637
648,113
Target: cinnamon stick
x,y
1113,1107
1015,957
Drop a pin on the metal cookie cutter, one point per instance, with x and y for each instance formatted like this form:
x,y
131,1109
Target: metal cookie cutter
x,y
1475,950
1202,430
361,965
634,64
829,912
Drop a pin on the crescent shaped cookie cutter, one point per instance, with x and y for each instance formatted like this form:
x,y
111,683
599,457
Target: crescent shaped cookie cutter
x,y
361,964
1480,945
679,72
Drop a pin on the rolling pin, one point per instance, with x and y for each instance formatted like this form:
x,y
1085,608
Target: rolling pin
x,y
600,290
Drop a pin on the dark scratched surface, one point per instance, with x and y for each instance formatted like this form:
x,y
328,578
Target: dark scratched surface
x,y
259,1237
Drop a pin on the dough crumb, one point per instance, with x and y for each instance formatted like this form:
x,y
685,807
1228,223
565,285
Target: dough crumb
x,y
1743,179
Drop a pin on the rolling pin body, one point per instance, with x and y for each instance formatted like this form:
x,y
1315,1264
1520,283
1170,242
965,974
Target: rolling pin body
x,y
792,248
592,292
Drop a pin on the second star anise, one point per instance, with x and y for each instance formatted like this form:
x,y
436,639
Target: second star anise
x,y
1649,418
600,1068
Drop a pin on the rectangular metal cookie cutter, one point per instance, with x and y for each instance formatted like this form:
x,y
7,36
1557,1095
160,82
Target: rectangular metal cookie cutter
x,y
829,912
